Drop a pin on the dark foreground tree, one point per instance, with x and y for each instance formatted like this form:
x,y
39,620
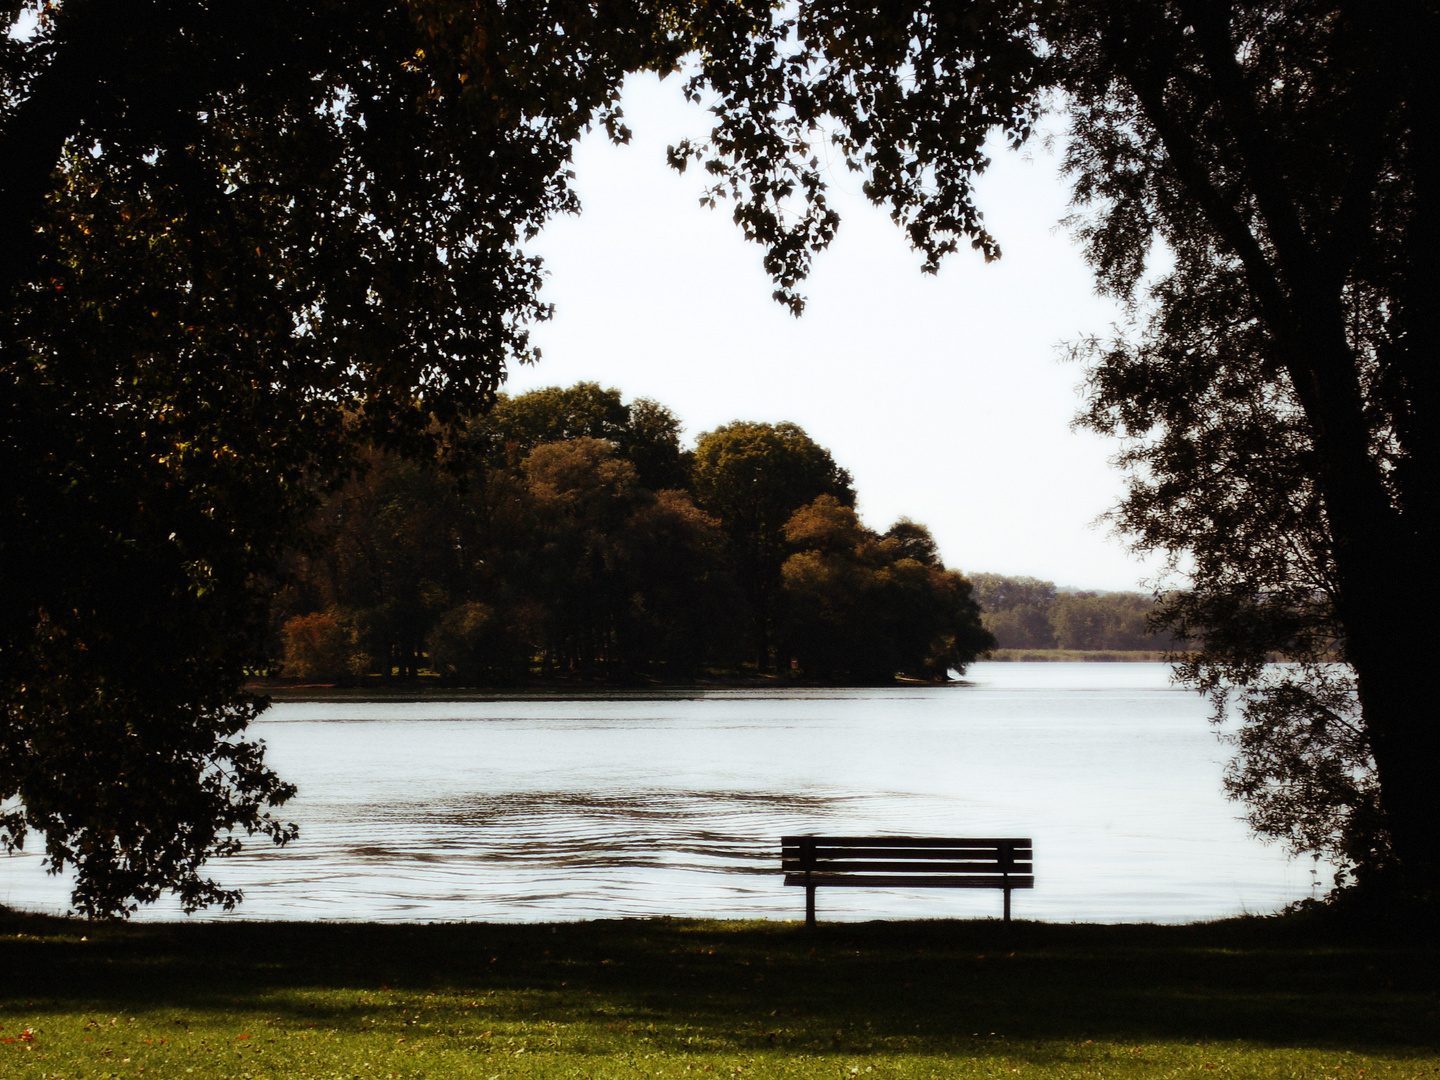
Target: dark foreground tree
x,y
236,242
1280,397
1279,385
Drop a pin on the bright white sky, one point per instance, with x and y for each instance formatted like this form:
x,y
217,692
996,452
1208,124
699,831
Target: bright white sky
x,y
944,396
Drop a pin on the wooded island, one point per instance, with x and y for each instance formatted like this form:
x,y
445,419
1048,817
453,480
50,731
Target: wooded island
x,y
574,537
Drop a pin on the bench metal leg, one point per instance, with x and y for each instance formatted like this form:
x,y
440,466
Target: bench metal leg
x,y
1007,907
810,906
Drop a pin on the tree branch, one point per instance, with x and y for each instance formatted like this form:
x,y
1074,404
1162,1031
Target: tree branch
x,y
1296,255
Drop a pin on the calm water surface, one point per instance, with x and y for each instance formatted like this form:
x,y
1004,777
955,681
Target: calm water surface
x,y
547,808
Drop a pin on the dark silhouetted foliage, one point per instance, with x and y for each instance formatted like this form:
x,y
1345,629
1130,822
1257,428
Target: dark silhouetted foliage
x,y
238,242
1277,386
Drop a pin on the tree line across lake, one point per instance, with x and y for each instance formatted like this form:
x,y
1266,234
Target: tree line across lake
x,y
574,537
1027,613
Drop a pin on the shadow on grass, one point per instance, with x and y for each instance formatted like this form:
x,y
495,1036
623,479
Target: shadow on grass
x,y
951,986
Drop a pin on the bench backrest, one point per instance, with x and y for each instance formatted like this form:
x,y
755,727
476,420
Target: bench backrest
x,y
928,855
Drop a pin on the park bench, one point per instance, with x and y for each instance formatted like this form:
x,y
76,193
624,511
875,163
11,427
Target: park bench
x,y
908,862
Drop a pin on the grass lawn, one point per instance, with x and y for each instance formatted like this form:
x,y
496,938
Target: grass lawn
x,y
698,999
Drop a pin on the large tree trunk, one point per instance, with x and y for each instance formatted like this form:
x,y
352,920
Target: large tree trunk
x,y
1384,558
1384,569
1397,699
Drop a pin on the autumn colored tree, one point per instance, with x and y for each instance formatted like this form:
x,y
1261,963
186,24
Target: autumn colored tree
x,y
752,477
563,564
644,432
858,607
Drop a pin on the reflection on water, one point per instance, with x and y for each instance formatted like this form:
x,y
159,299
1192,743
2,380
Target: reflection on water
x,y
548,807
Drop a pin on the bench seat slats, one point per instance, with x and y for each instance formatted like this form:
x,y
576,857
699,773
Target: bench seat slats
x,y
928,866
906,841
909,881
834,851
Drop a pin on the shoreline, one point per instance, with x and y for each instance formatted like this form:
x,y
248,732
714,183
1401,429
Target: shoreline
x,y
1077,656
433,688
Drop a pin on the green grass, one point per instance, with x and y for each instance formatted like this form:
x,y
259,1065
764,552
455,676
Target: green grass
x,y
703,1000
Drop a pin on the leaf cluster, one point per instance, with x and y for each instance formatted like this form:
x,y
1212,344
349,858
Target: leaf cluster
x,y
906,93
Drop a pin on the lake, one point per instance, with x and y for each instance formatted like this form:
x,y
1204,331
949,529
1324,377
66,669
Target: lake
x,y
544,807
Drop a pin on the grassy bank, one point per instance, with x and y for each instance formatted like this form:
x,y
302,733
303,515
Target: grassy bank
x,y
705,999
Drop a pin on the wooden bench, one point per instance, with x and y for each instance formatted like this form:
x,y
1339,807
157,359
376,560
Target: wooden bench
x,y
907,862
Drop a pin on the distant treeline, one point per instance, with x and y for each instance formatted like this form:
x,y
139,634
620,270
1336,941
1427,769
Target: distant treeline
x,y
577,539
1026,613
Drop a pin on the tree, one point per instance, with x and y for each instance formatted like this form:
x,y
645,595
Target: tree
x,y
386,555
1280,152
858,607
651,442
629,579
1086,620
752,477
1017,610
474,644
322,646
583,494
238,242
645,432
914,541
515,426
1291,456
685,610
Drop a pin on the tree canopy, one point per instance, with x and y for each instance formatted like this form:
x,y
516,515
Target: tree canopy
x,y
1276,388
1279,396
856,605
238,243
753,477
